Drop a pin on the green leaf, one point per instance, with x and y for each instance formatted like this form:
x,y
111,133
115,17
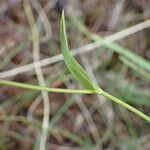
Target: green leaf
x,y
71,63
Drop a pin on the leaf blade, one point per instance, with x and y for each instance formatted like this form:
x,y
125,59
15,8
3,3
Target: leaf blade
x,y
79,73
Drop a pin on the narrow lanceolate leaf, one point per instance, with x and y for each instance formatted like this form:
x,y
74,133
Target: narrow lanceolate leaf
x,y
71,63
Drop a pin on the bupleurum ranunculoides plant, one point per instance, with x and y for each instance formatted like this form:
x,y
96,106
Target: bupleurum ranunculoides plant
x,y
80,74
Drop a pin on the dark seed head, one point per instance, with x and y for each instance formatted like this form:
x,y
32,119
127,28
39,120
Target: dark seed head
x,y
60,5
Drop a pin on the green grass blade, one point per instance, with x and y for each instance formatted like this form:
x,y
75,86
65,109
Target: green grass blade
x,y
135,58
13,53
139,70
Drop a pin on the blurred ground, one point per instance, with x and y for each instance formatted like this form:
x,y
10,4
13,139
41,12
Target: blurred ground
x,y
70,128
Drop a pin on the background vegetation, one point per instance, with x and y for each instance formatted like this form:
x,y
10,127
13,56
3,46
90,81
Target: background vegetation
x,y
110,39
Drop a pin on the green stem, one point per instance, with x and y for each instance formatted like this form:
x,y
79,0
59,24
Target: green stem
x,y
129,107
58,90
39,88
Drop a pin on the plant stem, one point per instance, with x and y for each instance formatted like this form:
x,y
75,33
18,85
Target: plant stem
x,y
72,91
129,107
39,88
